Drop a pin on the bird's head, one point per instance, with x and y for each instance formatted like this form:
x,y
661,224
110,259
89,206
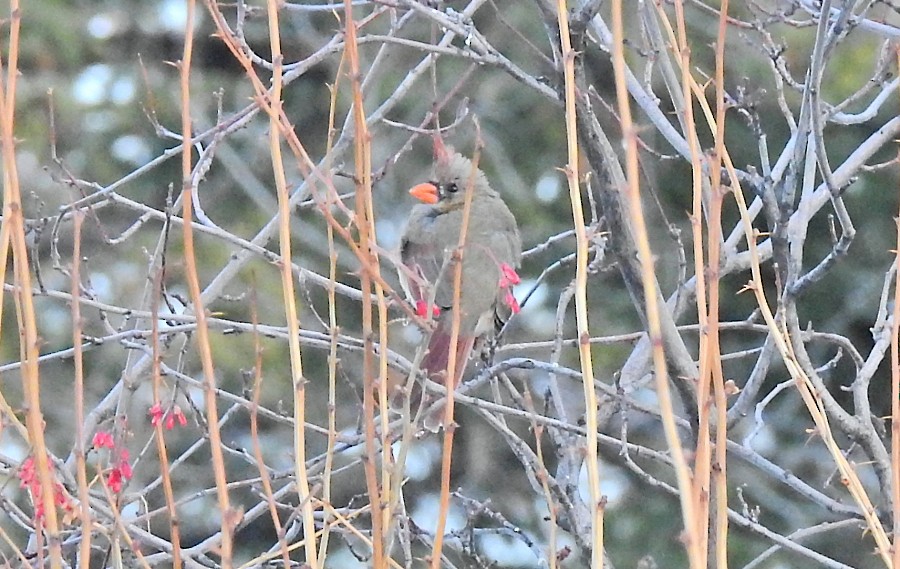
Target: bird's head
x,y
453,173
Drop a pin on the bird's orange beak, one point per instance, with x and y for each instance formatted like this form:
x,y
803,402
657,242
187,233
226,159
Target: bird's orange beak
x,y
425,192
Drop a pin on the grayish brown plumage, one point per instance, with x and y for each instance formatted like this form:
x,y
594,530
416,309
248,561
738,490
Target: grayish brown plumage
x,y
432,234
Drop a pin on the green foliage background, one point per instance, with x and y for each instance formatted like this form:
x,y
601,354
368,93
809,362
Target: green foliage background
x,y
105,72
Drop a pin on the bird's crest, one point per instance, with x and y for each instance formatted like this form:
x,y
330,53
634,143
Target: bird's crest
x,y
441,153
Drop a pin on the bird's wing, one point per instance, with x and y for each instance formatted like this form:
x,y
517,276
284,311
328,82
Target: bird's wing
x,y
507,246
424,252
423,262
511,243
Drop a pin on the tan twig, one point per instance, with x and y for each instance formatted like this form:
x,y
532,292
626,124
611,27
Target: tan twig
x,y
452,363
84,550
159,433
229,519
264,477
810,398
12,236
543,476
582,250
364,218
298,381
693,543
895,396
334,331
719,464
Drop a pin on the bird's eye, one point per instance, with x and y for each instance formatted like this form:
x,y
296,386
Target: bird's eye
x,y
452,187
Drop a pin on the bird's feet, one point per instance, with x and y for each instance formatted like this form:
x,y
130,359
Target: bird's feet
x,y
422,309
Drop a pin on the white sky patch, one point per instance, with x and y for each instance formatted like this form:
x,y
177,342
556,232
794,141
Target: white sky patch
x,y
98,120
101,26
173,15
27,161
426,514
55,321
131,510
101,284
764,441
388,234
91,85
413,334
171,307
14,450
421,459
548,187
122,91
612,484
131,148
538,297
506,551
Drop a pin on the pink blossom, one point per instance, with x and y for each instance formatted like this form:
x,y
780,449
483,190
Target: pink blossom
x,y
159,416
103,439
125,469
120,474
179,415
156,414
115,481
28,479
26,473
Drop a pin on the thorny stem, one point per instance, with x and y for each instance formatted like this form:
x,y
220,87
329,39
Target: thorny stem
x,y
597,503
693,543
298,381
228,517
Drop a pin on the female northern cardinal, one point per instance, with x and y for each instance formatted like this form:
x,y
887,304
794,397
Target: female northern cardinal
x,y
490,256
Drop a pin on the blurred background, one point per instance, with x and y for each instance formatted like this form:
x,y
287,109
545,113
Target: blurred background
x,y
98,122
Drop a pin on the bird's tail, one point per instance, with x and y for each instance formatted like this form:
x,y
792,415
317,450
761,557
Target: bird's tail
x,y
436,363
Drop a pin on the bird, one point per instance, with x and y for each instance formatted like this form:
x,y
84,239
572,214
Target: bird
x,y
490,258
